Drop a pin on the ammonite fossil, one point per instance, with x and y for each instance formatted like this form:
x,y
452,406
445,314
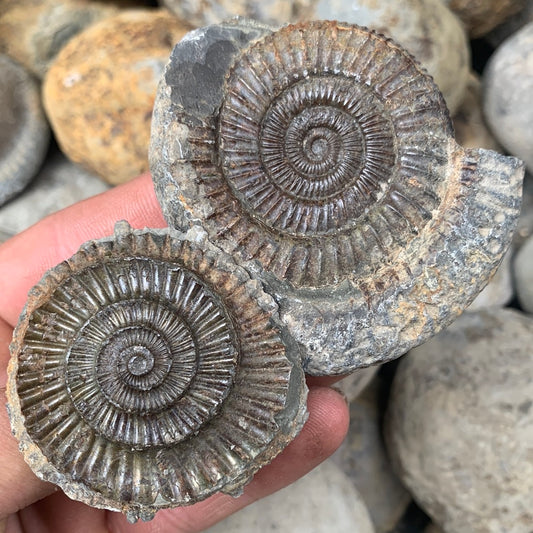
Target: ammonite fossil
x,y
322,156
149,371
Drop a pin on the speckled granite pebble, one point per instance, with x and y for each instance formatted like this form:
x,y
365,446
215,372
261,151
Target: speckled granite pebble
x,y
99,92
321,502
508,90
362,456
426,28
24,132
460,424
59,184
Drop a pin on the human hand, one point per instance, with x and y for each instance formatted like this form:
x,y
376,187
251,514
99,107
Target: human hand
x,y
30,505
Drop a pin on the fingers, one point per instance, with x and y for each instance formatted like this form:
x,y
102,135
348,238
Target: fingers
x,y
320,437
25,257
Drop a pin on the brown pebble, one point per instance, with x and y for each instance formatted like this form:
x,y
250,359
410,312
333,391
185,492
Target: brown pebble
x,y
100,91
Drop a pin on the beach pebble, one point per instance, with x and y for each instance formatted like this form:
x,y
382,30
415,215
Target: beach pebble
x,y
508,89
471,130
511,25
59,184
100,90
459,424
24,132
499,291
355,383
426,28
33,31
523,275
362,456
481,16
321,502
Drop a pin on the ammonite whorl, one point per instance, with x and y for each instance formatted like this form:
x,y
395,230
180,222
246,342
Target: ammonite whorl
x,y
149,371
321,156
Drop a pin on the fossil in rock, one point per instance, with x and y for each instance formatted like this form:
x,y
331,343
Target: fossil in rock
x,y
149,371
24,132
322,156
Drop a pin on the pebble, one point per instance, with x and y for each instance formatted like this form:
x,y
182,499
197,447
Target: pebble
x,y
511,25
59,184
499,291
100,90
362,456
33,31
24,132
426,28
321,502
471,130
523,275
524,228
213,12
481,16
459,425
508,88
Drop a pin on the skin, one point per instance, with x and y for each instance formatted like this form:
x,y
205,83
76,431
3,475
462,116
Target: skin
x,y
30,505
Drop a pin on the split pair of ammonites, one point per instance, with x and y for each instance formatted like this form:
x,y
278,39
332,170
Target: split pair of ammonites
x,y
323,219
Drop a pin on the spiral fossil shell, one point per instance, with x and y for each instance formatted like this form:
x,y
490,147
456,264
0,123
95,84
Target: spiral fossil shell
x,y
149,371
322,156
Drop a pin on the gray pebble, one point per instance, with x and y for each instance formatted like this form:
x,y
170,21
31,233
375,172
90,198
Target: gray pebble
x,y
24,132
508,89
523,275
459,425
321,502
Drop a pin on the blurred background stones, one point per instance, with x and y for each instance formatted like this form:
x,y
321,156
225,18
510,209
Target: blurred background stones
x,y
461,403
100,104
24,132
460,423
323,500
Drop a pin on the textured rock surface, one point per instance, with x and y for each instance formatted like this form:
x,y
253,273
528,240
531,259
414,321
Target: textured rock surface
x,y
508,86
99,92
523,275
524,228
460,424
59,184
499,290
471,130
481,16
384,275
362,456
33,31
24,132
426,28
322,501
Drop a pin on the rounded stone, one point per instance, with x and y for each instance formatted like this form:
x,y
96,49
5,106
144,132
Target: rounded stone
x,y
33,31
481,16
58,184
459,425
469,123
508,86
215,11
100,91
355,383
363,458
524,228
523,275
499,290
323,499
24,132
425,28
511,25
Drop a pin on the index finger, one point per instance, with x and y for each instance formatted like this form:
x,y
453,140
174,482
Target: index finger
x,y
25,257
